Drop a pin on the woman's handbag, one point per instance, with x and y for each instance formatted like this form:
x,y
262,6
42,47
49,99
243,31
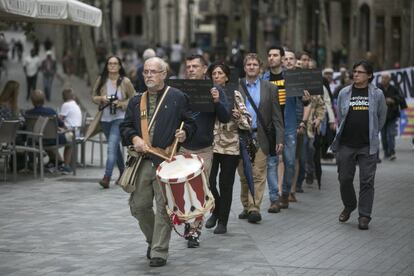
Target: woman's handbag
x,y
94,127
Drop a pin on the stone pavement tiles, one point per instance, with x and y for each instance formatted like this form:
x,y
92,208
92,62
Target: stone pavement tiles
x,y
70,226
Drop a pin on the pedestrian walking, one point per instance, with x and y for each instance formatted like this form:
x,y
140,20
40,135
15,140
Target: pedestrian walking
x,y
226,150
112,92
31,65
201,143
175,110
48,69
389,131
268,130
176,57
362,114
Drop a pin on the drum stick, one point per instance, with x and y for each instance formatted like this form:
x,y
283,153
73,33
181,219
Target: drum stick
x,y
175,144
150,150
158,153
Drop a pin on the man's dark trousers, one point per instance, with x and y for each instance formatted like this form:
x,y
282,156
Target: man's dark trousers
x,y
347,159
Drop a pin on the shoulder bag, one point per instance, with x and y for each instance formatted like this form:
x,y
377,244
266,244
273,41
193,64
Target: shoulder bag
x,y
270,131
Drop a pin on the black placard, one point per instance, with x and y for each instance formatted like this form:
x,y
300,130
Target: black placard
x,y
303,79
198,91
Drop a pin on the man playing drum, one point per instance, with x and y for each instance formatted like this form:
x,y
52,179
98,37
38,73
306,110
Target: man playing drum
x,y
174,109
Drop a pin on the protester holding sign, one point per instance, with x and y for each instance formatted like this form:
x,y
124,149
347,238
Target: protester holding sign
x,y
296,113
202,142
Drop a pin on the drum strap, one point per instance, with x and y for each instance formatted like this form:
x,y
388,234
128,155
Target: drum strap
x,y
144,118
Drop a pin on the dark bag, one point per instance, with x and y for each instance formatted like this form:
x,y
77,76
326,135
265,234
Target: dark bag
x,y
269,130
402,102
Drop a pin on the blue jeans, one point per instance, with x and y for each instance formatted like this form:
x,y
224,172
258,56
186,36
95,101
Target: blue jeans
x,y
289,154
47,83
289,151
302,160
388,133
113,136
272,163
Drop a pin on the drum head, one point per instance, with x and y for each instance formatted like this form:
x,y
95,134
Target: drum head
x,y
182,168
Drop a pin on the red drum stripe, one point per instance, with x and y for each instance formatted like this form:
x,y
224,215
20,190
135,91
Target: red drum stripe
x,y
197,185
178,194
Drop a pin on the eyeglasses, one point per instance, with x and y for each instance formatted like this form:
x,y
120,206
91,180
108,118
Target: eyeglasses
x,y
359,72
112,63
151,72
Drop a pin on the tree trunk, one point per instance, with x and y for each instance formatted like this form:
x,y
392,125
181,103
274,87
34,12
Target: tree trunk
x,y
245,23
281,11
288,41
88,47
326,34
106,26
297,42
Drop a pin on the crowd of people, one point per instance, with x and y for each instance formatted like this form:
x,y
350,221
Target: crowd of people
x,y
290,134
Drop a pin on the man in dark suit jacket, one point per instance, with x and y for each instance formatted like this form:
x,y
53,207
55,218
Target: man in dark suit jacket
x,y
265,96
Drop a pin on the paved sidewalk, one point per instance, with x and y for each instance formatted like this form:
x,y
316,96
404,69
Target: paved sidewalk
x,y
70,226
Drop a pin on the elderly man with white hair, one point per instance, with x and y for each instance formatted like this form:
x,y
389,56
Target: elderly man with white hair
x,y
175,109
389,131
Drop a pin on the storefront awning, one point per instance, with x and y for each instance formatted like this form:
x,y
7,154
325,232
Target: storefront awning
x,y
71,12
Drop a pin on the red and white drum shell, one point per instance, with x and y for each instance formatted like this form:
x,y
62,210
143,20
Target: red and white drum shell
x,y
185,187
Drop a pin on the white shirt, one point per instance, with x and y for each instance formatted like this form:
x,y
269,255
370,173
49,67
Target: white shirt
x,y
32,65
176,52
72,114
120,114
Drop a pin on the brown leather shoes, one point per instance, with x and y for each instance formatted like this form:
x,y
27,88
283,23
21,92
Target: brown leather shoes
x,y
344,216
274,208
105,182
284,202
363,223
